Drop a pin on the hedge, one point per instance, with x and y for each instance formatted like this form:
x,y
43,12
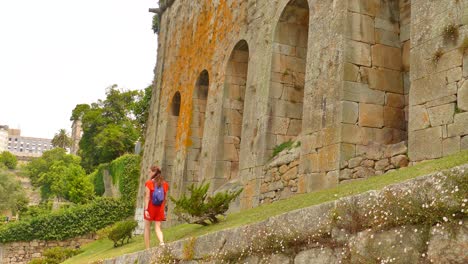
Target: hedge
x,y
125,172
68,223
97,178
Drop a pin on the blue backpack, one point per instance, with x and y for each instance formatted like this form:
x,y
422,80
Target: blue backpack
x,y
158,195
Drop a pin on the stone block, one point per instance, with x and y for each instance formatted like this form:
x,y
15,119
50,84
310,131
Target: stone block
x,y
350,112
345,174
449,60
347,152
351,72
354,162
328,158
352,134
401,244
366,7
464,143
462,96
395,100
279,125
358,53
425,144
372,151
430,88
371,115
394,118
381,164
360,28
441,115
368,163
290,174
318,255
405,56
450,146
418,118
320,181
386,56
448,243
309,163
465,65
388,38
361,93
396,149
386,80
400,161
441,101
459,126
363,172
454,75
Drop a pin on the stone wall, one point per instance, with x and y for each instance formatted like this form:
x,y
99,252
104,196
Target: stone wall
x,y
439,70
23,252
358,229
349,79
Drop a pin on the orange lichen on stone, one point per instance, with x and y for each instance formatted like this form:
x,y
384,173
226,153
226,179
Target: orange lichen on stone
x,y
194,53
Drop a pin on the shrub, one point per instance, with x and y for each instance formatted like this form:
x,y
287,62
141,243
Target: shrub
x,y
200,208
278,148
121,231
67,223
8,159
56,255
436,56
450,33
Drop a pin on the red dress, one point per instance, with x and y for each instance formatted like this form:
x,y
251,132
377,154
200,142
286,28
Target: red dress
x,y
156,212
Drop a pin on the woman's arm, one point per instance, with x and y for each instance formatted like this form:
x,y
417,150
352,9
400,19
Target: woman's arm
x,y
147,199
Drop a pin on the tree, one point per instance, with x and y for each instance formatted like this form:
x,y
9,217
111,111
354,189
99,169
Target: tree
x,y
200,208
12,195
61,139
142,106
60,175
8,159
112,126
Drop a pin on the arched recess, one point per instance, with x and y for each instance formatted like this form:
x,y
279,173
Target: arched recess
x,y
200,96
171,133
233,112
288,74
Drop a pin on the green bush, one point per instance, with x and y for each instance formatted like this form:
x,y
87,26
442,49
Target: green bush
x,y
285,145
67,223
200,208
56,255
8,159
121,231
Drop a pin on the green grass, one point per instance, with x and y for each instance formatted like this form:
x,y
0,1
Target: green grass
x,y
103,249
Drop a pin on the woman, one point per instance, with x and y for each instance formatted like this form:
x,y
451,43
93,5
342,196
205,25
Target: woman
x,y
154,213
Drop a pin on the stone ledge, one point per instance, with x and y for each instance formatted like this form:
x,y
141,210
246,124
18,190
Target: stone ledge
x,y
316,219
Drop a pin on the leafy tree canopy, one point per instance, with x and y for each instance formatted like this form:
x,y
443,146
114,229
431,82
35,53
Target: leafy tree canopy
x,y
60,175
8,159
61,139
112,126
12,195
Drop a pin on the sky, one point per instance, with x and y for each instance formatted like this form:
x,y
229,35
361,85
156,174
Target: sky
x,y
55,54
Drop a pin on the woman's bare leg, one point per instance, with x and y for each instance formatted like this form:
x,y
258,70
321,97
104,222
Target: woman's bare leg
x,y
146,234
159,233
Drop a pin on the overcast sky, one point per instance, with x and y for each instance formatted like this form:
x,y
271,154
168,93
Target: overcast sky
x,y
55,54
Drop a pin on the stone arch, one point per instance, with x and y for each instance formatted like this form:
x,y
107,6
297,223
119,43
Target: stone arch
x,y
288,67
199,99
171,134
233,112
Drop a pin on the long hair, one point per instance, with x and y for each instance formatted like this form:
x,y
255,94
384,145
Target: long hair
x,y
157,177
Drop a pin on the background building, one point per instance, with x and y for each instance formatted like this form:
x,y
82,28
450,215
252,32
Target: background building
x,y
3,138
27,146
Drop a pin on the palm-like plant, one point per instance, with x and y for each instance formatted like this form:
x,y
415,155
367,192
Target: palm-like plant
x,y
61,139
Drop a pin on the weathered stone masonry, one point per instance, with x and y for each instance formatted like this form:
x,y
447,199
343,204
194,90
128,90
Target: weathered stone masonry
x,y
353,80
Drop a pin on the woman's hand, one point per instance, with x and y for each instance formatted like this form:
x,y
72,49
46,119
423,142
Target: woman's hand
x,y
147,215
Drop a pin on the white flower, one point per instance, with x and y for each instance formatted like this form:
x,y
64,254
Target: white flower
x,y
445,219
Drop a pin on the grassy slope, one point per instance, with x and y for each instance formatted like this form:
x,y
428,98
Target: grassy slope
x,y
103,249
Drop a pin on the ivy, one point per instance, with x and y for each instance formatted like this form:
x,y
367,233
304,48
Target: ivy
x,y
68,223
